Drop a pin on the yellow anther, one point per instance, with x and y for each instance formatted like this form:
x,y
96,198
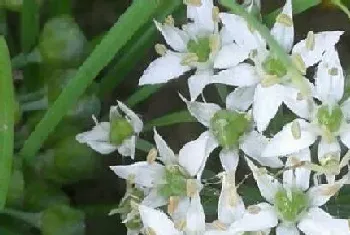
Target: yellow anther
x,y
196,3
218,225
169,20
189,59
285,19
214,43
299,63
253,209
270,80
296,130
216,12
180,225
152,156
150,231
160,49
310,41
192,187
173,204
333,71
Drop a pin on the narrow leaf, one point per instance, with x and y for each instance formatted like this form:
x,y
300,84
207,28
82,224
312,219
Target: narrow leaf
x,y
170,119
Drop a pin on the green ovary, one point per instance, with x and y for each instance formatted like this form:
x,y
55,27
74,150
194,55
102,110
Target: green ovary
x,y
273,66
200,47
290,206
330,117
228,127
175,182
120,130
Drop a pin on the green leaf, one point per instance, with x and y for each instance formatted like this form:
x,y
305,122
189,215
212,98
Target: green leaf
x,y
137,48
170,119
144,145
29,24
138,13
6,121
60,7
141,94
302,5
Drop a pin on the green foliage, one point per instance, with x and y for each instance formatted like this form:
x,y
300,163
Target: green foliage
x,y
7,117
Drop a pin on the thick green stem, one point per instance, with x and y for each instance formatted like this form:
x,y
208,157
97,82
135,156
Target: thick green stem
x,y
298,80
6,121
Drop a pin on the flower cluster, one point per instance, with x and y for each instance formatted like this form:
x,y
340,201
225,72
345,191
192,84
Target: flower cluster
x,y
163,194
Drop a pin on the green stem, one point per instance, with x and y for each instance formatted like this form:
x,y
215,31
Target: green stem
x,y
29,24
274,46
343,8
29,217
134,18
6,121
170,119
142,94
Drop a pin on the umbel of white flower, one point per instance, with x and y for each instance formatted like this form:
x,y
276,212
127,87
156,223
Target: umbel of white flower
x,y
120,133
292,206
327,118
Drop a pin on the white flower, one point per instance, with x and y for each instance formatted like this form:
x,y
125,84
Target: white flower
x,y
327,120
267,84
200,47
231,130
158,222
120,133
292,206
172,183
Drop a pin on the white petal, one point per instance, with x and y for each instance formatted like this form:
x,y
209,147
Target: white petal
x,y
180,213
266,103
202,16
166,154
318,222
195,218
301,108
267,184
97,138
193,154
231,206
240,99
174,37
241,75
287,230
203,112
127,148
143,174
157,221
264,219
154,200
283,33
323,41
345,138
229,159
136,122
230,55
197,83
163,69
319,195
240,32
253,144
324,148
330,87
300,176
284,143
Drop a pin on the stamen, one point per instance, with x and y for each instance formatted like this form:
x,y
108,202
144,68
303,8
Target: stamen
x,y
217,224
181,225
310,41
333,71
196,3
330,190
169,20
214,43
160,49
296,130
299,63
285,19
189,59
152,156
173,204
253,209
216,12
192,187
150,231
